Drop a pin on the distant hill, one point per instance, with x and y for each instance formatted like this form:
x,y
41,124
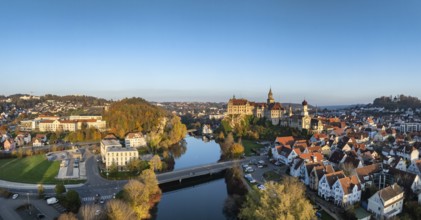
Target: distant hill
x,y
400,101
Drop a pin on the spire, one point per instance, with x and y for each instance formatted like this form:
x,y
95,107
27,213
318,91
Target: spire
x,y
270,97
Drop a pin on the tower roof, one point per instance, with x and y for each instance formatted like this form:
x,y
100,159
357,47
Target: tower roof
x,y
304,102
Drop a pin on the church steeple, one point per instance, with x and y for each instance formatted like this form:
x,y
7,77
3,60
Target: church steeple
x,y
270,97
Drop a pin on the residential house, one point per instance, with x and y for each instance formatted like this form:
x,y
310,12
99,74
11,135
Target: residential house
x,y
317,173
365,174
37,142
336,157
135,140
326,184
307,170
347,191
387,202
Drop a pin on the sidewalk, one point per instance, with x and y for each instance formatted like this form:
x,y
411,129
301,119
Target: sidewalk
x,y
13,185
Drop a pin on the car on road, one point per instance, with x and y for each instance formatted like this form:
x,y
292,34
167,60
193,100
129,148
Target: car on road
x,y
249,170
15,196
52,200
97,212
101,201
40,216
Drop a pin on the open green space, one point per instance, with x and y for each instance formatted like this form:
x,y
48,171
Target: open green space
x,y
249,146
34,169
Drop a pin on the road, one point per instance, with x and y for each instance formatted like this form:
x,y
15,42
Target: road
x,y
8,207
196,171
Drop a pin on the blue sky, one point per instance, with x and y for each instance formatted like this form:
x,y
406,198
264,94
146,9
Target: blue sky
x,y
328,51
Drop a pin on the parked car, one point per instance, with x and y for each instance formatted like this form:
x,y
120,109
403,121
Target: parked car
x,y
15,196
261,187
52,200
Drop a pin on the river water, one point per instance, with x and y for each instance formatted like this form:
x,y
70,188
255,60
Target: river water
x,y
204,201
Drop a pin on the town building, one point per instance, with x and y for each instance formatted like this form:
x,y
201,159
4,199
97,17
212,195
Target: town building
x,y
271,110
112,152
135,139
387,202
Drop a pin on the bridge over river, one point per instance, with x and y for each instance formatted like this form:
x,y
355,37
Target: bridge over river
x,y
190,172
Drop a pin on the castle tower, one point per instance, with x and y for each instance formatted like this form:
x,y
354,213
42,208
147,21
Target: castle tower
x,y
270,99
305,108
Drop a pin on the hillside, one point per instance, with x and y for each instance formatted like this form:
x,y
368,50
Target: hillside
x,y
401,102
136,114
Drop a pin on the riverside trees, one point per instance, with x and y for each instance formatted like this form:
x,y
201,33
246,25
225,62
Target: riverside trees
x,y
279,201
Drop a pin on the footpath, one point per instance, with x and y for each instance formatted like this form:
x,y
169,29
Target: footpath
x,y
28,186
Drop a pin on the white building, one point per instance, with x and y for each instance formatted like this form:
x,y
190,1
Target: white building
x,y
387,202
135,140
113,153
326,183
347,191
207,129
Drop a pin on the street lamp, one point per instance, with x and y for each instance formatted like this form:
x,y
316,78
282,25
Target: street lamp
x,y
27,194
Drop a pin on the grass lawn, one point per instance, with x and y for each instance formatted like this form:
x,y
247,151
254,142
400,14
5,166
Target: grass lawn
x,y
272,176
249,145
35,169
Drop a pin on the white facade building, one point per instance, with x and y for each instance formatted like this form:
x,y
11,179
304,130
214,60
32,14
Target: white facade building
x,y
387,202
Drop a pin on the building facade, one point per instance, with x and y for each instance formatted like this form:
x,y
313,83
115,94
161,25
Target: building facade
x,y
112,152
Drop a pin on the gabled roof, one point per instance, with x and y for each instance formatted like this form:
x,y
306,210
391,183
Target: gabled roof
x,y
134,135
336,156
310,166
390,192
314,149
285,140
352,160
284,151
366,171
333,177
348,184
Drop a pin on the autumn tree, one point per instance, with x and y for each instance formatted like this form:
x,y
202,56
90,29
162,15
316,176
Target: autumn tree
x,y
67,216
148,177
119,210
279,201
88,212
155,163
137,195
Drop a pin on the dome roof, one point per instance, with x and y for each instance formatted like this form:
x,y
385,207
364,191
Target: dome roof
x,y
304,102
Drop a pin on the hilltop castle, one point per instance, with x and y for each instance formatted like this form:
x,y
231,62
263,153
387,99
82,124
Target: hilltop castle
x,y
275,113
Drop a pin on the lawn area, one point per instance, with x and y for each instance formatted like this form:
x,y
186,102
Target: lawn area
x,y
35,169
272,176
249,145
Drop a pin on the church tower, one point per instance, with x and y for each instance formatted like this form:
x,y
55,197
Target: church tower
x,y
290,111
270,99
305,108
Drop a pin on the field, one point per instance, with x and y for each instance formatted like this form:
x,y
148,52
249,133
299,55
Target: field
x,y
35,169
249,145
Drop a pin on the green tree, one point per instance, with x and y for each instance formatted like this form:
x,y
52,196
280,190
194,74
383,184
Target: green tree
x,y
60,188
279,201
73,201
134,165
113,169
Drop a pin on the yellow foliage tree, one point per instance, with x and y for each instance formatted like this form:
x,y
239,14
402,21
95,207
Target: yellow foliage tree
x,y
284,201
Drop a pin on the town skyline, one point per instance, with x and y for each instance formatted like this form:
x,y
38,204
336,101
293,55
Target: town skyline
x,y
331,54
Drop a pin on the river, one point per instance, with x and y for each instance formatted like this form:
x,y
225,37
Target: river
x,y
204,201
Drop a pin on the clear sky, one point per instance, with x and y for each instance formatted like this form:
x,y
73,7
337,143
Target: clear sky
x,y
328,51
